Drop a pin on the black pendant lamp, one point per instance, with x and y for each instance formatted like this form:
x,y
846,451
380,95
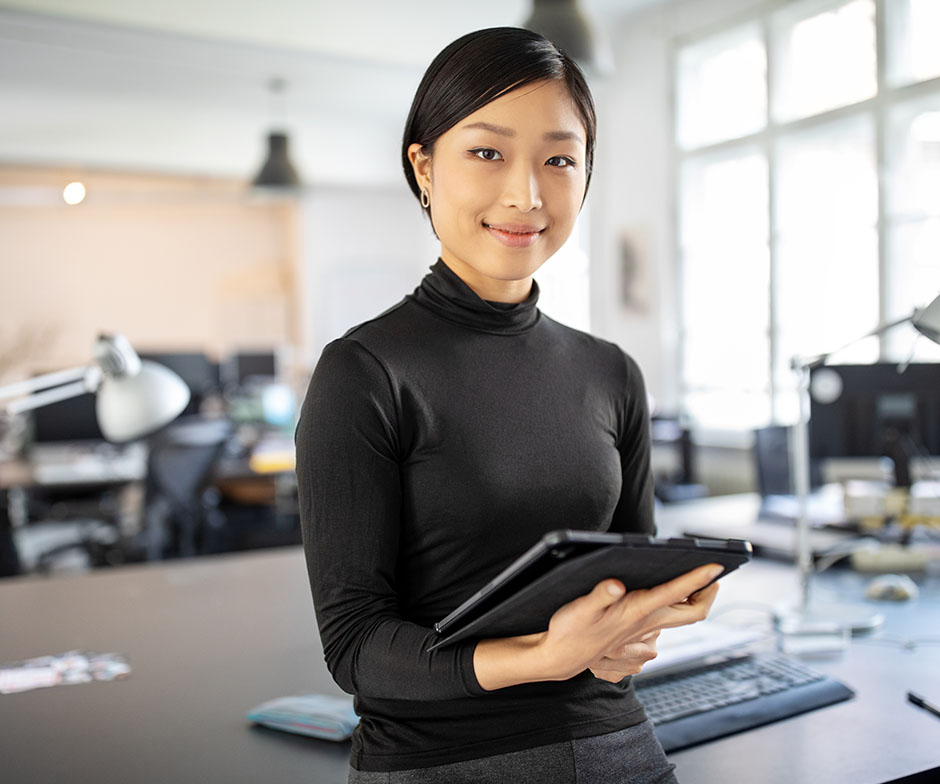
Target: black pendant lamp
x,y
564,24
277,171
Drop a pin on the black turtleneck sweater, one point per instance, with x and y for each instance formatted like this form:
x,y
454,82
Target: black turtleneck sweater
x,y
436,443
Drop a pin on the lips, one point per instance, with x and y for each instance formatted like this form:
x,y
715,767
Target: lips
x,y
514,228
514,235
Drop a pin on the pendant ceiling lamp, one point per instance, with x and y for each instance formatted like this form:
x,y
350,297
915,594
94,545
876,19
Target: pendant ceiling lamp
x,y
564,23
277,171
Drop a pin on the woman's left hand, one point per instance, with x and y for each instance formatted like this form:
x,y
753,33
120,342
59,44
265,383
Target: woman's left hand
x,y
627,659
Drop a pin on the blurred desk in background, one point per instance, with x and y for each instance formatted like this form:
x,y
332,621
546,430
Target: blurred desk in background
x,y
82,481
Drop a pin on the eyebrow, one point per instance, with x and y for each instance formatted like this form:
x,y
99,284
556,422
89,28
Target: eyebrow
x,y
552,136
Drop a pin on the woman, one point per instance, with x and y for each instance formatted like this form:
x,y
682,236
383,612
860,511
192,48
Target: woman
x,y
440,440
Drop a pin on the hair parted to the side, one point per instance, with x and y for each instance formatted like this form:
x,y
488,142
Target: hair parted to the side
x,y
478,68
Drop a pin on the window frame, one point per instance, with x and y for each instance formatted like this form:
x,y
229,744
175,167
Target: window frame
x,y
878,107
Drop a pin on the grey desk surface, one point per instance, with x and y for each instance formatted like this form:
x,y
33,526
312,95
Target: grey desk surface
x,y
209,639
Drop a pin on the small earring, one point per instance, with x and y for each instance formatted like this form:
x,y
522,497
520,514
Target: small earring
x,y
425,198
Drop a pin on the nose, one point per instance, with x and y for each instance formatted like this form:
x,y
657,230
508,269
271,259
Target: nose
x,y
521,188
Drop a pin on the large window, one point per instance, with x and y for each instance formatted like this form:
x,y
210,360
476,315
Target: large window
x,y
808,147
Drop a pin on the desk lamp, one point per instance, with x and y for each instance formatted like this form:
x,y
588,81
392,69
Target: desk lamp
x,y
134,397
806,617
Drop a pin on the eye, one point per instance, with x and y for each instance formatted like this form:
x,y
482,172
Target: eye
x,y
487,154
560,161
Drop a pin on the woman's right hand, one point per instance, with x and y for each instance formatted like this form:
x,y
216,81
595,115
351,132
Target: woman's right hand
x,y
609,631
613,632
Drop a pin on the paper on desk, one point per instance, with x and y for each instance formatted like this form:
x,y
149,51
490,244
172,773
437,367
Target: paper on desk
x,y
62,669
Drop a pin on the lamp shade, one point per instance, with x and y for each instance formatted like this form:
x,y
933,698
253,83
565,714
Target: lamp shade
x,y
565,25
277,170
131,406
927,321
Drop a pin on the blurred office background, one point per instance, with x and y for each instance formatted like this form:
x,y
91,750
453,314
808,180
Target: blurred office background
x,y
767,184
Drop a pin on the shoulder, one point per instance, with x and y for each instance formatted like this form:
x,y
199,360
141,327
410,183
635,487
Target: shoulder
x,y
597,354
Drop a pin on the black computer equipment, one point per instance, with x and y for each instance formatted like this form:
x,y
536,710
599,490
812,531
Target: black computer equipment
x,y
716,699
879,411
244,367
74,419
199,373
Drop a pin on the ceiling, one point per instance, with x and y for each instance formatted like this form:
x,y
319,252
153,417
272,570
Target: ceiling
x,y
180,85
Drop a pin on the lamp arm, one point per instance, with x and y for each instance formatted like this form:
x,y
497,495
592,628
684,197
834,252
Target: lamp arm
x,y
40,382
67,383
44,398
811,363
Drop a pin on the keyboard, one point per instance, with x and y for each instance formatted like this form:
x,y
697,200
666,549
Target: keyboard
x,y
713,700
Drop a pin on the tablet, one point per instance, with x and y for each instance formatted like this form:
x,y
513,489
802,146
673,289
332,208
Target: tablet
x,y
564,565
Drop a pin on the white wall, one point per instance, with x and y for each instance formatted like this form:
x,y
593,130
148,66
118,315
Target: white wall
x,y
362,250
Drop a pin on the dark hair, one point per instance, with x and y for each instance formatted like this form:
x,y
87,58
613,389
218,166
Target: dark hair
x,y
480,67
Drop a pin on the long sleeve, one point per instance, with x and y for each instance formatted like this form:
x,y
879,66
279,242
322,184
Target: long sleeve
x,y
350,492
634,512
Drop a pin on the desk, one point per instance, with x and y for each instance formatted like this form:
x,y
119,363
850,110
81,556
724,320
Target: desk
x,y
210,638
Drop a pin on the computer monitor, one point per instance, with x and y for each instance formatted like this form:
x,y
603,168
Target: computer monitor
x,y
195,368
245,366
876,411
66,420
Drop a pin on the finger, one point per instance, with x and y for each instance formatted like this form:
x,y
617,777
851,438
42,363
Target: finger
x,y
704,599
684,613
605,593
705,595
679,589
643,651
611,676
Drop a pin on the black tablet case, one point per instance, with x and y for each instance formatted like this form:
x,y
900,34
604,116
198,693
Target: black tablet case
x,y
530,609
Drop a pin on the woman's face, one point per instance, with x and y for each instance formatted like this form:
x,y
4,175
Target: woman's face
x,y
506,184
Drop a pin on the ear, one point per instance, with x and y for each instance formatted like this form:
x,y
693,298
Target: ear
x,y
421,164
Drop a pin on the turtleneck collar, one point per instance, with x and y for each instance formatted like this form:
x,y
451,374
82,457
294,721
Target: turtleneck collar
x,y
444,293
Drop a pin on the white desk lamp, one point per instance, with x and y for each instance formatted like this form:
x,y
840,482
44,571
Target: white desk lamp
x,y
807,618
133,397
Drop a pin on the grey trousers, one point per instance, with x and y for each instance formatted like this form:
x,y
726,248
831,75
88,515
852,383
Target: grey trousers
x,y
630,756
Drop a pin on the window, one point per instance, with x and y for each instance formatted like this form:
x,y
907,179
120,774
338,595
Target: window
x,y
808,197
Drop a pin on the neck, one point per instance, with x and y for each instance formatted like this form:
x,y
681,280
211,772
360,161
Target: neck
x,y
490,289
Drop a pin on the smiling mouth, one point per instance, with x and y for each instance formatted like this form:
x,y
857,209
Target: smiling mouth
x,y
514,235
514,228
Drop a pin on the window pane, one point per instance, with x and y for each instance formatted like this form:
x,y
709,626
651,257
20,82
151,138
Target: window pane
x,y
913,178
913,30
726,285
825,56
729,409
827,243
723,200
913,220
722,89
827,179
827,296
914,280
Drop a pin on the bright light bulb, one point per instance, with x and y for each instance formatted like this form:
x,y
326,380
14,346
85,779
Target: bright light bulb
x,y
74,193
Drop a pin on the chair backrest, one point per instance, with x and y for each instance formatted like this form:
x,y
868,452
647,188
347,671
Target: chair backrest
x,y
772,457
182,457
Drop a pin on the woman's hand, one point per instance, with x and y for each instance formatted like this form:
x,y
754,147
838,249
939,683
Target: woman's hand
x,y
609,631
595,628
627,659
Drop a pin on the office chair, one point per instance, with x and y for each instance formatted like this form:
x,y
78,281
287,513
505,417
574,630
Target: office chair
x,y
69,529
177,512
772,460
9,556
